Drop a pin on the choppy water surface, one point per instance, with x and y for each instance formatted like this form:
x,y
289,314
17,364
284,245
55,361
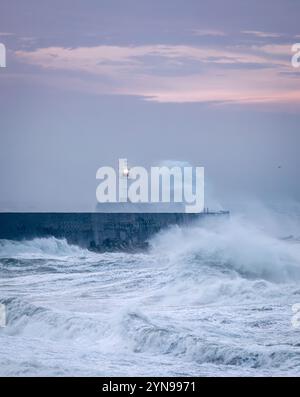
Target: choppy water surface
x,y
202,301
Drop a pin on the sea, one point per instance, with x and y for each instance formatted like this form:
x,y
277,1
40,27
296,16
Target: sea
x,y
203,300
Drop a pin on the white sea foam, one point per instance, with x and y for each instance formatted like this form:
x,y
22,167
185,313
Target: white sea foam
x,y
205,300
39,247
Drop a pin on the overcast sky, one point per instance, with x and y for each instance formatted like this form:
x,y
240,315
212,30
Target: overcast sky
x,y
205,82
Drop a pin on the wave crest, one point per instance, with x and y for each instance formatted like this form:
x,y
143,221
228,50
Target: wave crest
x,y
232,246
39,247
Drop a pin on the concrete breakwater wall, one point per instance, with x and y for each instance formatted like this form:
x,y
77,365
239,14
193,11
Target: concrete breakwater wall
x,y
96,231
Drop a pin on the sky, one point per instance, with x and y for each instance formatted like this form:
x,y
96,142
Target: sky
x,y
88,82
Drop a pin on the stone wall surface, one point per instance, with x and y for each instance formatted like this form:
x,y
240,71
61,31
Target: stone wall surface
x,y
96,231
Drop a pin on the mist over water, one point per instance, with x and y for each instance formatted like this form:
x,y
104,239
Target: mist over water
x,y
213,299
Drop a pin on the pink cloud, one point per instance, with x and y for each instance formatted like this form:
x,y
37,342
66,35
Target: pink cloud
x,y
129,71
264,35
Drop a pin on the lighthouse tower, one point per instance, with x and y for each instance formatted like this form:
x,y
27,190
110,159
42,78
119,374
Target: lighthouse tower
x,y
123,180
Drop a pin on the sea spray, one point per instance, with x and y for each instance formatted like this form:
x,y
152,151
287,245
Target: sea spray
x,y
205,300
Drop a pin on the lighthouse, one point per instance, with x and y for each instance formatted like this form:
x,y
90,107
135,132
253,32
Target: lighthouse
x,y
123,180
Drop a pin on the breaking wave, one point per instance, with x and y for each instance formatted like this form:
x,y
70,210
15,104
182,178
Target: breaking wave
x,y
234,246
205,299
39,247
